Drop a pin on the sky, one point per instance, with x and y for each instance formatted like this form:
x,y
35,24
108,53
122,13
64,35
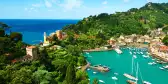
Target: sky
x,y
65,9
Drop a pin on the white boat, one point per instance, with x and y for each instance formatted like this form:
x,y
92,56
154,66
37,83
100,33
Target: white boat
x,y
150,63
130,77
94,72
101,81
141,52
118,50
87,53
161,68
166,67
88,69
131,53
135,56
145,56
116,73
114,78
146,82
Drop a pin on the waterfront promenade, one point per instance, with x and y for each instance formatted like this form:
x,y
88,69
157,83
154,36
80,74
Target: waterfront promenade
x,y
97,50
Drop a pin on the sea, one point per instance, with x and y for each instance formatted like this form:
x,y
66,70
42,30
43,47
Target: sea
x,y
33,29
125,63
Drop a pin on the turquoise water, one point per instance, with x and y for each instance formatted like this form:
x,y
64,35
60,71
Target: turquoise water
x,y
123,64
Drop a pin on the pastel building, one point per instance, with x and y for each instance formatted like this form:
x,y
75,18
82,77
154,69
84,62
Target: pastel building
x,y
31,54
59,34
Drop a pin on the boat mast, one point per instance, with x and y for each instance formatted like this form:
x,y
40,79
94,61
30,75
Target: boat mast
x,y
132,65
137,73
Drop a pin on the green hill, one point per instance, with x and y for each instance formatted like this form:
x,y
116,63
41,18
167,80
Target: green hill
x,y
138,21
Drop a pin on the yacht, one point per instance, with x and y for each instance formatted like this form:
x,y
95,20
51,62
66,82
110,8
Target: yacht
x,y
130,77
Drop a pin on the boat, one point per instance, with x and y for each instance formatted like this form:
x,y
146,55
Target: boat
x,y
116,73
141,52
101,81
151,63
100,68
145,56
94,72
146,82
114,78
161,68
131,82
131,53
166,67
135,56
87,53
118,50
88,69
130,76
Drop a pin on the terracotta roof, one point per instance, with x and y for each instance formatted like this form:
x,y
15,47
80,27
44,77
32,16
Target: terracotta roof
x,y
163,48
31,47
14,61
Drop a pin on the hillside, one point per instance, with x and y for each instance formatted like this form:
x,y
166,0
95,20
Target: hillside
x,y
138,21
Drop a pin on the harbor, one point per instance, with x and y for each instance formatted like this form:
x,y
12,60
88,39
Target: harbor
x,y
150,70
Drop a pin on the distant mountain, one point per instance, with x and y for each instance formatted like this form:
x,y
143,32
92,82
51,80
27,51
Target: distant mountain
x,y
138,21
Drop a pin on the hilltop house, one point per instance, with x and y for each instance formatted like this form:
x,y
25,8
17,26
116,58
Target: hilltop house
x,y
31,54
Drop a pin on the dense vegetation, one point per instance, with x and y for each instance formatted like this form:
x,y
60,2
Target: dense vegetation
x,y
138,21
58,66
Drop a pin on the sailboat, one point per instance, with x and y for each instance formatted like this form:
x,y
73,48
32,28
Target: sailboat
x,y
130,76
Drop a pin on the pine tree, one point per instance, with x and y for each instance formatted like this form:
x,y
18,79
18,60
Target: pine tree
x,y
70,74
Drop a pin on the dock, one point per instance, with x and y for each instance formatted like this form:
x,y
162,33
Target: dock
x,y
85,67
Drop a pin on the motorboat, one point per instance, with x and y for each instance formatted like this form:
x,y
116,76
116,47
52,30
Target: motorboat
x,y
161,68
114,78
94,72
166,67
101,81
134,56
146,82
116,73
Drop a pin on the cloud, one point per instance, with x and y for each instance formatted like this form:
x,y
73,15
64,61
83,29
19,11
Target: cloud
x,y
26,9
104,2
48,4
36,5
126,0
70,4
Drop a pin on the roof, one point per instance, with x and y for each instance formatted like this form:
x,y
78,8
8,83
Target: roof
x,y
163,48
14,61
31,47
